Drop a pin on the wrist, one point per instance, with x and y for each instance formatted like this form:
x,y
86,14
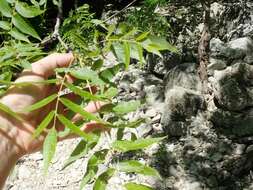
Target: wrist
x,y
9,152
8,142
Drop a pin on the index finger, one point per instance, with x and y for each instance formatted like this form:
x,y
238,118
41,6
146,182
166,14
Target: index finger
x,y
45,67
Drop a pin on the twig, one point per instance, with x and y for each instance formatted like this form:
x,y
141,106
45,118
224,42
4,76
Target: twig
x,y
122,10
56,34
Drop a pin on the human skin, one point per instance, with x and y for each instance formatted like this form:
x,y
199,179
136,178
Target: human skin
x,y
15,135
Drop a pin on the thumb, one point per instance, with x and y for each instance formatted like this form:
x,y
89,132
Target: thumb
x,y
45,67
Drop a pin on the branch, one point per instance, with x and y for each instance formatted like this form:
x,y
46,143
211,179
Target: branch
x,y
56,34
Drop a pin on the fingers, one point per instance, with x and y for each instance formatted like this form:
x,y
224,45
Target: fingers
x,y
45,67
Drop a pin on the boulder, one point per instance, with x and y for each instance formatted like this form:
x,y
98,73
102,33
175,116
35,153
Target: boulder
x,y
233,123
233,87
235,49
180,104
184,75
215,64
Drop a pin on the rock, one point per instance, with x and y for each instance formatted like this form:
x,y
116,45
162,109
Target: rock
x,y
154,94
215,64
217,48
180,104
243,46
184,75
233,123
235,49
249,149
249,59
151,112
233,87
163,65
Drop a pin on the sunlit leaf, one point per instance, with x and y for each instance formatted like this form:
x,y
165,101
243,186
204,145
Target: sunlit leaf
x,y
7,110
5,8
125,145
44,124
127,54
132,124
41,103
136,167
103,179
76,130
18,35
135,186
92,166
5,25
110,93
78,109
23,26
80,150
82,93
27,11
142,36
49,148
126,107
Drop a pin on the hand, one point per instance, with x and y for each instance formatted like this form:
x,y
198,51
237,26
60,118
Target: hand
x,y
18,98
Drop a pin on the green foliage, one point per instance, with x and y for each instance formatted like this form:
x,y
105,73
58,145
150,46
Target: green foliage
x,y
134,186
91,40
145,18
14,13
125,146
49,148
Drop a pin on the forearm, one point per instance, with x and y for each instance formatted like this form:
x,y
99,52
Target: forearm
x,y
8,151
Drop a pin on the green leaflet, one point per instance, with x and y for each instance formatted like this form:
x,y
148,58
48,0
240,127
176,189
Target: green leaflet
x,y
18,35
41,103
84,74
49,148
127,54
126,107
132,124
78,109
102,180
74,129
5,25
5,8
136,167
110,93
43,124
80,150
92,167
27,11
135,186
124,145
82,93
7,110
142,36
23,26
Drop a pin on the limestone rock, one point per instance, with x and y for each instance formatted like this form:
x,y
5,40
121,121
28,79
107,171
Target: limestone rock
x,y
235,49
184,75
180,104
233,87
215,64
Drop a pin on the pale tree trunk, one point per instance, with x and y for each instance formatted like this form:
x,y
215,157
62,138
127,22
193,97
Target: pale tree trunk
x,y
203,49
